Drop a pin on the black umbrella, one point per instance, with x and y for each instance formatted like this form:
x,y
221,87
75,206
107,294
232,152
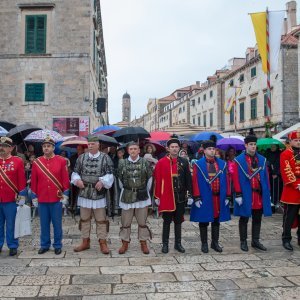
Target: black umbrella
x,y
18,133
106,140
128,134
8,126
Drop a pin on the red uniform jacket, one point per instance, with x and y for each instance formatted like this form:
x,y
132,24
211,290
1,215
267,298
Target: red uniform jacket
x,y
14,169
45,190
290,172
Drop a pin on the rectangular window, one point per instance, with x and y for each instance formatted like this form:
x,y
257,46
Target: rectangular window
x,y
253,72
253,108
242,78
210,94
204,120
231,115
242,111
194,121
199,120
211,119
266,109
198,100
35,35
204,97
35,92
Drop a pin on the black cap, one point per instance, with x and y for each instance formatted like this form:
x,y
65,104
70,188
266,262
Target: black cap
x,y
208,144
173,141
250,139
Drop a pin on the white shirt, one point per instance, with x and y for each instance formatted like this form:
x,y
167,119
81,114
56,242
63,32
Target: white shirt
x,y
107,181
138,204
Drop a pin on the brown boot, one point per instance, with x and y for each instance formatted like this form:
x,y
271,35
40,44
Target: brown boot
x,y
103,247
124,247
83,246
144,247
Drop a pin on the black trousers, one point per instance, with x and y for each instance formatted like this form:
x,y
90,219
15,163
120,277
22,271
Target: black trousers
x,y
291,211
256,225
177,216
214,223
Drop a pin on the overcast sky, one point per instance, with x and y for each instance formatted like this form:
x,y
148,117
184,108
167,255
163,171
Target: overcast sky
x,y
156,46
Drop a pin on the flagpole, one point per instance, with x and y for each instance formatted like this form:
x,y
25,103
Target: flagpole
x,y
268,70
235,125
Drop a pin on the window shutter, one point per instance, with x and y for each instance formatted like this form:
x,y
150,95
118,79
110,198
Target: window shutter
x,y
35,92
41,34
30,26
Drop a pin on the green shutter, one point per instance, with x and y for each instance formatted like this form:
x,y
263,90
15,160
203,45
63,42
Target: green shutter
x,y
35,92
36,34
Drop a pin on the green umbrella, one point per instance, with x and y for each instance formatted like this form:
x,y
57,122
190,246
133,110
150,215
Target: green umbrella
x,y
265,143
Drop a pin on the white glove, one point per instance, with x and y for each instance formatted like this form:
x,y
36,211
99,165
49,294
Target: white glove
x,y
21,200
198,203
239,200
190,201
157,202
35,202
65,200
226,202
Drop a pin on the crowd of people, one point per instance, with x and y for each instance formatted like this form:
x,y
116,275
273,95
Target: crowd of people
x,y
211,182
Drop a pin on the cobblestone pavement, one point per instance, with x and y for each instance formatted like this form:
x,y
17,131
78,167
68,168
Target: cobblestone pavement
x,y
90,275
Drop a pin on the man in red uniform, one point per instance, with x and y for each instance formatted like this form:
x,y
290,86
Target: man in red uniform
x,y
290,172
50,188
12,192
172,181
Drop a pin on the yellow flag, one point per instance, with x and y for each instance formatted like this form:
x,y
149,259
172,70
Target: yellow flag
x,y
259,21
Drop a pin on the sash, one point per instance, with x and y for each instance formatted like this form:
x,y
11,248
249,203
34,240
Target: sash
x,y
210,181
8,181
51,177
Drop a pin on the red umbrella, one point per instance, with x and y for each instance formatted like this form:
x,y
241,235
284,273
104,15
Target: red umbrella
x,y
160,135
159,148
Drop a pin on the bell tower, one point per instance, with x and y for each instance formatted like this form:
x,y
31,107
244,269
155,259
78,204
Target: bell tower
x,y
126,108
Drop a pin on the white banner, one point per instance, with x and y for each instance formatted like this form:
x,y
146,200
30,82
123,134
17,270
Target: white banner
x,y
276,19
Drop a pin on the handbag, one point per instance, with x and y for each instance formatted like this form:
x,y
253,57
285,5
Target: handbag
x,y
23,221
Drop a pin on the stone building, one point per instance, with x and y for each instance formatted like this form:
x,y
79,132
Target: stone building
x,y
52,64
126,108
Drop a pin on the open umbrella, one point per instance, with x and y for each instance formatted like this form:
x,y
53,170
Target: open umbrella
x,y
71,143
226,143
265,143
159,148
128,134
106,140
18,133
106,129
3,131
205,135
40,135
160,136
7,125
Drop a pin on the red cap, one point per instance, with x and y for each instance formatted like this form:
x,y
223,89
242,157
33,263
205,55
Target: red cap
x,y
294,134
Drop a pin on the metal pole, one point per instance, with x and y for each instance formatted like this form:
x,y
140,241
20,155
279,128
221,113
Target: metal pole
x,y
268,70
234,109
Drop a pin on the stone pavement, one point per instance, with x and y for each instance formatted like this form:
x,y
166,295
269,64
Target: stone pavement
x,y
91,275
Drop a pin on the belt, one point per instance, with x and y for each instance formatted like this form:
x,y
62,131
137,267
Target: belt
x,y
256,190
216,193
133,189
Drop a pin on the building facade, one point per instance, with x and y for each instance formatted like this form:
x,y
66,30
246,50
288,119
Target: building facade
x,y
52,61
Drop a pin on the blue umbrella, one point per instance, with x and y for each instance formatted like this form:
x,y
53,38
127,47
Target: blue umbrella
x,y
205,135
107,128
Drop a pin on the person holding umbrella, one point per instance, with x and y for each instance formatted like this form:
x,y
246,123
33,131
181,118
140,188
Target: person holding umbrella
x,y
172,183
290,172
12,193
93,175
251,184
50,190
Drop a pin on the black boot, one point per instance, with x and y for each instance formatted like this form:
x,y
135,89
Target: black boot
x,y
178,246
243,235
165,237
215,229
203,236
256,225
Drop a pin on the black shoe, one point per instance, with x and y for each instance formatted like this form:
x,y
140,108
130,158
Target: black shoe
x,y
287,246
298,243
165,248
42,250
179,248
216,246
0,249
57,251
244,246
13,251
204,247
257,245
